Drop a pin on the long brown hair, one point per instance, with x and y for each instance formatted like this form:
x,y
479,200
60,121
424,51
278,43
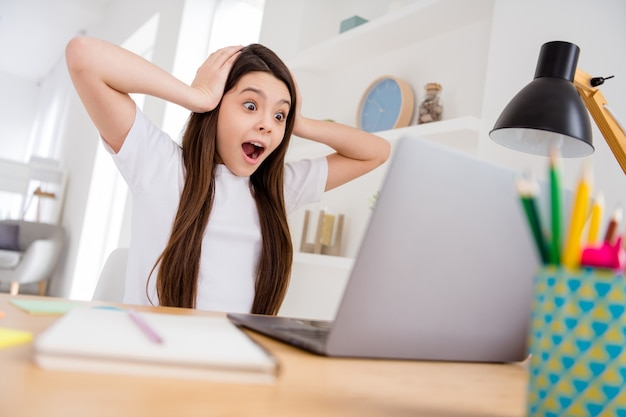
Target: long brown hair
x,y
177,278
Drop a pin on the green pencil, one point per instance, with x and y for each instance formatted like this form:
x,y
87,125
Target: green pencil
x,y
527,192
555,209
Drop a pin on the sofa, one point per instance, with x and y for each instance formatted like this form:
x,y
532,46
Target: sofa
x,y
29,252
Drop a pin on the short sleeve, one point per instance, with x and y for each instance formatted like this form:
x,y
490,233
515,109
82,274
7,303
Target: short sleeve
x,y
147,155
305,181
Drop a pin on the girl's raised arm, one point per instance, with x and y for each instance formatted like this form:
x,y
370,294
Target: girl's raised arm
x,y
357,152
105,74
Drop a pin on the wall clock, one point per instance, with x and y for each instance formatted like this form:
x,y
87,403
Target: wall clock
x,y
387,103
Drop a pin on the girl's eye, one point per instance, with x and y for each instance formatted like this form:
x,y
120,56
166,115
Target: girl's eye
x,y
249,105
280,116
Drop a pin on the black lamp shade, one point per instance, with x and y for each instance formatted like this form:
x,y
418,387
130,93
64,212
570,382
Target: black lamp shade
x,y
548,113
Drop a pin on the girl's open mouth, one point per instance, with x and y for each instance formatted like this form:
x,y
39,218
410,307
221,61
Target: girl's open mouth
x,y
253,150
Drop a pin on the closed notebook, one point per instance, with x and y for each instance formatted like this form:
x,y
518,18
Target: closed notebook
x,y
192,347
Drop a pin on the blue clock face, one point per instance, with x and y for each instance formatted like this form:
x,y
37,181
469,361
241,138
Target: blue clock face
x,y
381,106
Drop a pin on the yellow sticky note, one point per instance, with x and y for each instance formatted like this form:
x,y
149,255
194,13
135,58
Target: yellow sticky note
x,y
12,337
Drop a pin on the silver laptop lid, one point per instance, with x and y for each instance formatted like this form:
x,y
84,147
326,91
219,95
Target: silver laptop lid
x,y
445,269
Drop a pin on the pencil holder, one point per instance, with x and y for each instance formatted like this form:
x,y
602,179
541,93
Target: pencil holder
x,y
578,344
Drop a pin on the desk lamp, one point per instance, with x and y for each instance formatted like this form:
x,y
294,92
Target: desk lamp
x,y
550,111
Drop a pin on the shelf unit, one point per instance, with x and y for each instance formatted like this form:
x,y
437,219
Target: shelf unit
x,y
424,41
334,69
394,42
421,19
461,134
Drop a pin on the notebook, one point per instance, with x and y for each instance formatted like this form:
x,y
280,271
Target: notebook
x,y
108,340
444,271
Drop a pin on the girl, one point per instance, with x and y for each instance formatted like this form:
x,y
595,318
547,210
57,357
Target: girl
x,y
210,216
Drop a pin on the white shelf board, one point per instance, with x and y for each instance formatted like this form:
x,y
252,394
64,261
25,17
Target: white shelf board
x,y
461,133
468,124
418,21
329,261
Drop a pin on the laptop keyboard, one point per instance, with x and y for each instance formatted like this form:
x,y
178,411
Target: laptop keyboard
x,y
315,334
311,329
318,324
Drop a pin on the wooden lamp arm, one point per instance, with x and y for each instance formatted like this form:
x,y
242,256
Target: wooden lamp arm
x,y
607,123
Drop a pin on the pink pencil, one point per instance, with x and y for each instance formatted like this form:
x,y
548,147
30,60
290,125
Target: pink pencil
x,y
145,328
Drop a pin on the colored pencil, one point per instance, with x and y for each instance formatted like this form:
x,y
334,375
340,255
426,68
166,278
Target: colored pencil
x,y
580,209
144,327
527,192
612,229
555,208
597,211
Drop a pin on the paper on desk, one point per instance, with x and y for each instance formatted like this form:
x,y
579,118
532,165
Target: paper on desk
x,y
44,307
12,337
194,347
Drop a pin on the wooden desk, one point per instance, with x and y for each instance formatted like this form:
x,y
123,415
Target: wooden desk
x,y
308,385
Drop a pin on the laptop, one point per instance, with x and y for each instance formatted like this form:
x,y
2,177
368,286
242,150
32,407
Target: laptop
x,y
444,271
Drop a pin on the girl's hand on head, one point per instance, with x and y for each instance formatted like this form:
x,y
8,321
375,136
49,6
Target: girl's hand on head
x,y
211,77
299,120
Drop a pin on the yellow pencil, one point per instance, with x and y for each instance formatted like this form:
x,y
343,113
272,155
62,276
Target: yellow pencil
x,y
596,217
571,253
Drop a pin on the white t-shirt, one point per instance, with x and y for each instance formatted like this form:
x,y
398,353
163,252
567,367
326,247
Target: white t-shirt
x,y
151,163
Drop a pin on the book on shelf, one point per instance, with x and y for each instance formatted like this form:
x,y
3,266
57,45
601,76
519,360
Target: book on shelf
x,y
111,340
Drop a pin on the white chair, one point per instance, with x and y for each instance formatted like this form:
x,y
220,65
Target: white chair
x,y
30,253
112,278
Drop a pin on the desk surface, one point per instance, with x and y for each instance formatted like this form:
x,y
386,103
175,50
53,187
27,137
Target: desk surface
x,y
308,385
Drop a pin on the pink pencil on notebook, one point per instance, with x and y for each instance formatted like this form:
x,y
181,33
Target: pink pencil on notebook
x,y
145,327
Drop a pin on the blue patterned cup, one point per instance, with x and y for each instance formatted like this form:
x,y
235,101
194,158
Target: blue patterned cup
x,y
578,344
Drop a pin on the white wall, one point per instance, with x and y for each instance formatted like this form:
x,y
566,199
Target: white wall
x,y
519,30
18,107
